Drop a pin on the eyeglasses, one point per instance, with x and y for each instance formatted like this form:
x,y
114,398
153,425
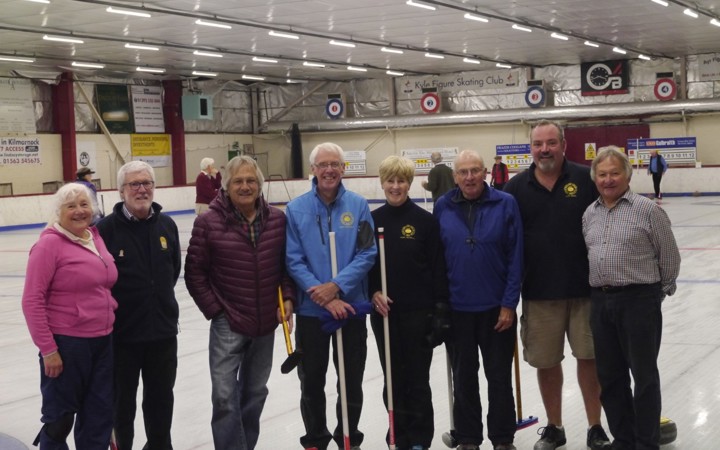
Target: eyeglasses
x,y
333,164
135,185
463,173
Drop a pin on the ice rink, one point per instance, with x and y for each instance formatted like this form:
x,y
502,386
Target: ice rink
x,y
689,358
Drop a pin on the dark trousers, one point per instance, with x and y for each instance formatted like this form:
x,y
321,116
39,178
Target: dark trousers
x,y
473,330
410,361
657,176
499,186
83,390
627,328
156,361
312,369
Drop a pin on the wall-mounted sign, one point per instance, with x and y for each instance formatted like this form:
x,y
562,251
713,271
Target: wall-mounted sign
x,y
355,162
148,109
481,80
604,78
335,106
114,107
16,107
516,156
15,151
675,150
535,96
665,89
154,149
421,157
430,103
709,67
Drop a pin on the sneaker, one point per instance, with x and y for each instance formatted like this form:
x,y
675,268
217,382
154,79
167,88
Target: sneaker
x,y
551,438
597,439
504,447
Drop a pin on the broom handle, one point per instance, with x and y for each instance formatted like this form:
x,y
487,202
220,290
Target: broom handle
x,y
518,395
386,335
286,331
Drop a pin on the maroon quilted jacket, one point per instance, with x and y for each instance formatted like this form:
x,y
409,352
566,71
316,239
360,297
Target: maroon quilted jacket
x,y
224,273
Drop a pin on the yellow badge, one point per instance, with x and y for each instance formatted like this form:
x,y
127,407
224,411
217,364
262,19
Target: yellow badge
x,y
163,242
347,219
408,232
570,190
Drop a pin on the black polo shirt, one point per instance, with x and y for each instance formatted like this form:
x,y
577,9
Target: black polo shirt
x,y
556,263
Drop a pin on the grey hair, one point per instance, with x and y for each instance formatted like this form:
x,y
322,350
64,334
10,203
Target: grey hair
x,y
134,167
469,154
330,147
550,123
66,193
206,162
611,151
236,163
436,157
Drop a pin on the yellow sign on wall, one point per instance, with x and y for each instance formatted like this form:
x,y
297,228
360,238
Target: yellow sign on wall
x,y
154,149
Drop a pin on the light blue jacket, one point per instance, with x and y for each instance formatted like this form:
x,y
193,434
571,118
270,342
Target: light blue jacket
x,y
309,222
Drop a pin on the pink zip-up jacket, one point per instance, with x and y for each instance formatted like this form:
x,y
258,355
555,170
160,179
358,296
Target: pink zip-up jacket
x,y
67,290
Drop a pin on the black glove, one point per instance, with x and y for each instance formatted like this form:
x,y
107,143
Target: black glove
x,y
439,325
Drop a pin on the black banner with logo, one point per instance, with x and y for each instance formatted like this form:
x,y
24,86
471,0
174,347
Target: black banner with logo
x,y
604,78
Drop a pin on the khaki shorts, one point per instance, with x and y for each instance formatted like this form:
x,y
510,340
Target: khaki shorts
x,y
544,324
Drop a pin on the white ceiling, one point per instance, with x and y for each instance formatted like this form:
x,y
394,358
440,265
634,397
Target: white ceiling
x,y
640,26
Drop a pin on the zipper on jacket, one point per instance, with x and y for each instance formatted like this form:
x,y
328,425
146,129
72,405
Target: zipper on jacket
x,y
322,236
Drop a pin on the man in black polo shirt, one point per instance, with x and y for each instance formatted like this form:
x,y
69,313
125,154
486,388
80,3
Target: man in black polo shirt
x,y
553,195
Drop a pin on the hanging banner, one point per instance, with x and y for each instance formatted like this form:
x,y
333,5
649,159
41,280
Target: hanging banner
x,y
154,149
114,107
148,109
421,157
16,107
516,156
709,67
17,151
604,78
492,79
676,150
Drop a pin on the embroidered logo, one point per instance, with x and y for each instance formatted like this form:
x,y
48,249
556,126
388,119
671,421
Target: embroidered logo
x,y
347,219
408,232
163,242
570,190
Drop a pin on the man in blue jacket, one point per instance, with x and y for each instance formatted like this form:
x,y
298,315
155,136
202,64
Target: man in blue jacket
x,y
327,207
481,230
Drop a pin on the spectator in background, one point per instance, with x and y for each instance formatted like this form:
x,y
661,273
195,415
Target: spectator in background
x,y
553,194
146,248
328,206
440,179
207,185
234,266
416,291
634,264
482,234
84,177
499,174
657,166
70,313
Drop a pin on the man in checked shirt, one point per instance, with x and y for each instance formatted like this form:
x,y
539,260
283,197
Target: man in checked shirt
x,y
634,262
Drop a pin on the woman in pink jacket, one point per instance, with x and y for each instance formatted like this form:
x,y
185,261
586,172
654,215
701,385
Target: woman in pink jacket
x,y
70,312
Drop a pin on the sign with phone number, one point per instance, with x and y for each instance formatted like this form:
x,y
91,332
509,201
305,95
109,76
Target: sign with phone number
x,y
16,151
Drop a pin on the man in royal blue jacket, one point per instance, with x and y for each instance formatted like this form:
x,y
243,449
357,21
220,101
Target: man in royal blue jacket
x,y
481,230
327,207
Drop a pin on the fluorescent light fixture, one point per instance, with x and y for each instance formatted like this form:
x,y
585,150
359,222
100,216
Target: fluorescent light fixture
x,y
646,58
142,47
283,34
661,2
691,13
312,64
503,66
559,36
469,16
592,44
619,50
471,61
210,54
212,24
715,22
39,1
394,73
291,81
253,77
204,74
88,65
63,39
420,5
391,50
150,70
521,28
266,60
127,12
17,59
342,43
357,69
434,55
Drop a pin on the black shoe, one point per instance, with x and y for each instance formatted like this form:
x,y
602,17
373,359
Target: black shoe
x,y
597,439
551,438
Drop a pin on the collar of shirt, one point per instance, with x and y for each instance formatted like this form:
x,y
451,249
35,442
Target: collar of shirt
x,y
128,215
628,196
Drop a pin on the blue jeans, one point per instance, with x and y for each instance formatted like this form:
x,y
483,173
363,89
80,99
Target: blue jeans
x,y
239,371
